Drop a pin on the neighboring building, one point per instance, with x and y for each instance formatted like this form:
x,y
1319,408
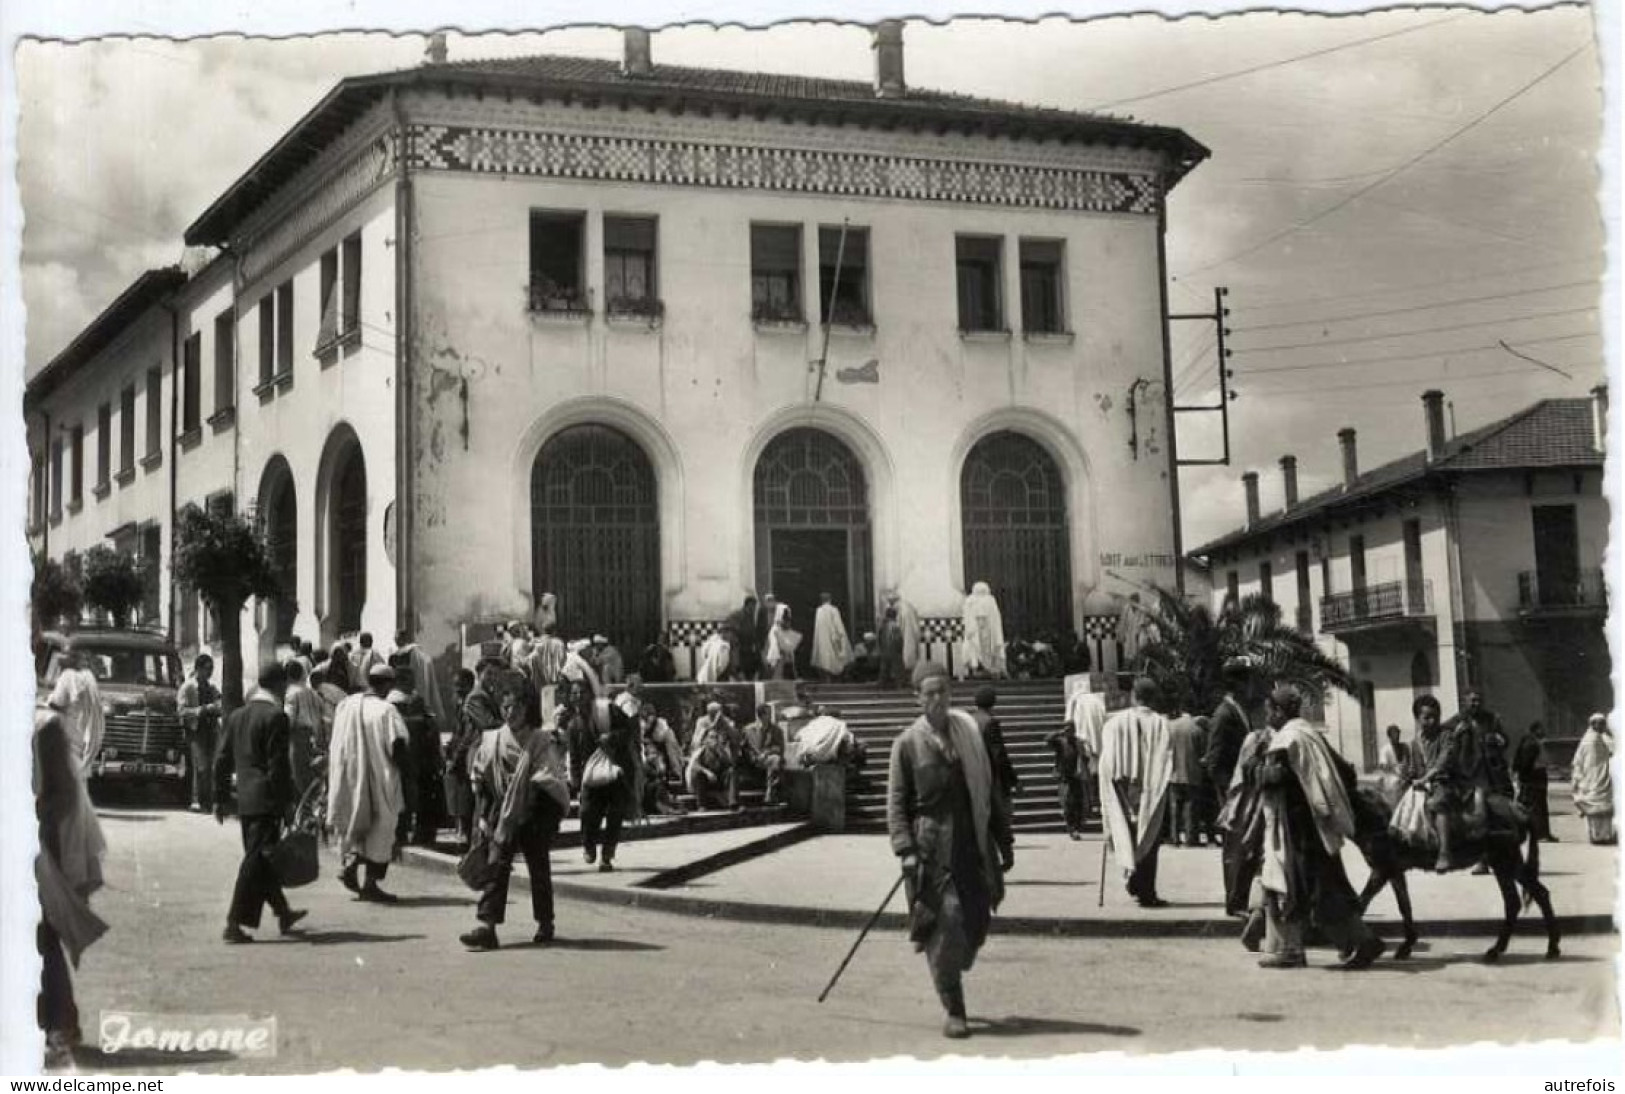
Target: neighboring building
x,y
1473,563
484,330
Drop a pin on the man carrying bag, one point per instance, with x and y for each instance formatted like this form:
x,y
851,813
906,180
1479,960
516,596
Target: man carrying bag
x,y
254,746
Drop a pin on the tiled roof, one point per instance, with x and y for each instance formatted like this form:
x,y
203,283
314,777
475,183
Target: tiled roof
x,y
762,85
144,292
807,98
1550,433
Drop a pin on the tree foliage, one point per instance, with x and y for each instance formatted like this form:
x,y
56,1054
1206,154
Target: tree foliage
x,y
226,560
1190,646
115,582
55,595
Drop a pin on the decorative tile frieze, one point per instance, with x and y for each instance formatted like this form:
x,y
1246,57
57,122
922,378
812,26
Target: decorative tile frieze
x,y
483,150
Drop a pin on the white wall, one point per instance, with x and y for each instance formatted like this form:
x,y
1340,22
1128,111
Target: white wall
x,y
705,391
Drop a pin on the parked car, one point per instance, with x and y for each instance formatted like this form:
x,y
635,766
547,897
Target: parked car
x,y
138,673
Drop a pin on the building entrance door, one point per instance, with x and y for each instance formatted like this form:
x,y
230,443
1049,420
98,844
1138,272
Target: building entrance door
x,y
806,563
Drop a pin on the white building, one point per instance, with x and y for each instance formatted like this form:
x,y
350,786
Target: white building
x,y
1475,562
652,338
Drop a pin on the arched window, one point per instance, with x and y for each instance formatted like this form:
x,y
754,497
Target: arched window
x,y
279,519
811,502
1013,508
595,535
349,539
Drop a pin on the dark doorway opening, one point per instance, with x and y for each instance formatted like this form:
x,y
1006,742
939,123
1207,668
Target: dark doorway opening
x,y
806,563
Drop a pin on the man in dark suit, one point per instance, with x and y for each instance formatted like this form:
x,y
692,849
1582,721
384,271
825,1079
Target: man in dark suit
x,y
1227,728
254,746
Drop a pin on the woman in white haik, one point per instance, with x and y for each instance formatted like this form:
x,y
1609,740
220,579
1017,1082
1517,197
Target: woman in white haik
x,y
782,640
984,633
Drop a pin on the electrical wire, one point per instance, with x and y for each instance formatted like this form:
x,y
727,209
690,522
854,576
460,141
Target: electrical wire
x,y
1413,308
1388,176
1447,352
1252,304
1266,66
1355,339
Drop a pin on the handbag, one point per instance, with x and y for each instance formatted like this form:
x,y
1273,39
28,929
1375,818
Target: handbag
x,y
600,771
295,860
475,867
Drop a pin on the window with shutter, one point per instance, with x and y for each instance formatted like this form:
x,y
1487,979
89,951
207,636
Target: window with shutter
x,y
327,334
225,362
775,273
978,265
155,414
352,287
1042,287
843,276
629,266
284,330
192,384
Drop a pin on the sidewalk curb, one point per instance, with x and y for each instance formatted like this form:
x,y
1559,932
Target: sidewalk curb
x,y
1047,927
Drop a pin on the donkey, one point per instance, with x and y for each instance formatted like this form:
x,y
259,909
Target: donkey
x,y
1389,858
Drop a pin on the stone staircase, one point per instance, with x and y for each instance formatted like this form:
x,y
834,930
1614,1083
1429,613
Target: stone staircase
x,y
1028,711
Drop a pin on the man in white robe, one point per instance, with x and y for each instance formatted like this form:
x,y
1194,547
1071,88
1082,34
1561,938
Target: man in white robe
x,y
365,796
908,620
983,645
1086,713
831,648
79,700
714,659
1136,765
578,670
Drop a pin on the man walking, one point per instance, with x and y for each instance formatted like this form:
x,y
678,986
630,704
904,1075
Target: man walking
x,y
1307,816
254,747
199,703
1135,766
364,797
307,738
477,713
1004,771
950,829
1186,744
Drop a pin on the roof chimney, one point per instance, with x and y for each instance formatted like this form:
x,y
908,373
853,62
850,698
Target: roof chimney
x,y
436,53
888,47
1289,480
1351,462
636,57
1433,410
1599,416
1249,483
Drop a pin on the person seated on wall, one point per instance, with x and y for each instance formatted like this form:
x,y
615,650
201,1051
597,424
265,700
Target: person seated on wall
x,y
663,767
864,667
763,751
712,773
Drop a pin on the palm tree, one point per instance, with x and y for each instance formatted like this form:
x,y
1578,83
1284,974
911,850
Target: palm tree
x,y
1189,647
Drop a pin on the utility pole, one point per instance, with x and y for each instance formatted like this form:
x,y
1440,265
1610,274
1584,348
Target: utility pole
x,y
1217,317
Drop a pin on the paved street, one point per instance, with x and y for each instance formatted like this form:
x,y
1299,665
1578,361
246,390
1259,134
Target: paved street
x,y
372,987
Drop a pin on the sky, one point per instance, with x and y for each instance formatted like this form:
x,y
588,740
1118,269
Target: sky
x,y
1390,196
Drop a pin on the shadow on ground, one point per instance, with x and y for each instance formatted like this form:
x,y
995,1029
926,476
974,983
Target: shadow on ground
x,y
1021,1026
337,938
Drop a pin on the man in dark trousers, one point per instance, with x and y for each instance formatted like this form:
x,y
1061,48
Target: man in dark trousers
x,y
1529,765
1004,772
1227,728
254,746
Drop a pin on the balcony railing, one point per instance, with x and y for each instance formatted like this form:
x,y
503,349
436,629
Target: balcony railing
x,y
1585,591
1377,604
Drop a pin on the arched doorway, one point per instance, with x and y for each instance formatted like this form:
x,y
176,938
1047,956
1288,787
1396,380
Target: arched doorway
x,y
347,539
595,534
279,519
811,503
1012,500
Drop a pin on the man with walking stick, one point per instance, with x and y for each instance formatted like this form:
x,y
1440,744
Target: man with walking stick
x,y
950,827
